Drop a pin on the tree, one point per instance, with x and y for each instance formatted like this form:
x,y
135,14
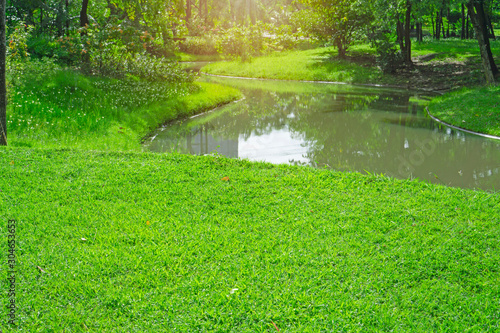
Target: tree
x,y
3,88
338,21
84,19
479,22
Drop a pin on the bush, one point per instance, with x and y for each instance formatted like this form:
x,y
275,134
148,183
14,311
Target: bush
x,y
201,45
242,42
155,69
389,58
17,48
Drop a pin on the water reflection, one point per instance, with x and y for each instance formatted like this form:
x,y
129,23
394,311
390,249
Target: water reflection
x,y
338,126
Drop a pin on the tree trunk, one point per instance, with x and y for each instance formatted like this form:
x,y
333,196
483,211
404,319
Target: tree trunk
x,y
84,19
41,20
3,88
188,14
448,25
206,12
66,13
407,52
491,31
438,26
340,47
462,32
400,35
420,37
478,18
442,27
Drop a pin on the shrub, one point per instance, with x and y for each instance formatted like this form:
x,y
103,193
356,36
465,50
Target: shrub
x,y
201,45
17,48
242,42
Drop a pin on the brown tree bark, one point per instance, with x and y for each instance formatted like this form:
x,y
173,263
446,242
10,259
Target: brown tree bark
x,y
188,13
84,18
462,32
438,26
407,52
3,87
84,21
478,19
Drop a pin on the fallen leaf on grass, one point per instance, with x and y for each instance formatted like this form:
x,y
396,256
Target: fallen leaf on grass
x,y
147,222
225,179
11,162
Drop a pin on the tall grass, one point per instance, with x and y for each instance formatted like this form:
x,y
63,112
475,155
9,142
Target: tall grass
x,y
63,108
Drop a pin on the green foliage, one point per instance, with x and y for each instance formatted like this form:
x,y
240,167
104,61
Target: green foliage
x,y
199,45
339,22
389,56
246,41
17,38
44,45
242,42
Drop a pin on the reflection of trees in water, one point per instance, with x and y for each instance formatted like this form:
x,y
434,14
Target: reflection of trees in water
x,y
391,139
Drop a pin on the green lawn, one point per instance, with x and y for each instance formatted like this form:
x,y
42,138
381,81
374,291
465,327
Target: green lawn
x,y
452,49
317,64
142,242
476,109
110,241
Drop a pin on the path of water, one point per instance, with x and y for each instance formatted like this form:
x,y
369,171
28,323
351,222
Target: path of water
x,y
343,127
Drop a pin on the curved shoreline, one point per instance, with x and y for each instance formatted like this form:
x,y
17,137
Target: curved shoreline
x,y
374,85
489,136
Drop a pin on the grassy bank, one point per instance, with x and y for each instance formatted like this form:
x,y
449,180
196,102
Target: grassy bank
x,y
440,65
66,109
312,65
476,109
139,242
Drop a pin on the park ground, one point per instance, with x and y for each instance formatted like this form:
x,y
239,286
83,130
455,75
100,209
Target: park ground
x,y
451,67
111,239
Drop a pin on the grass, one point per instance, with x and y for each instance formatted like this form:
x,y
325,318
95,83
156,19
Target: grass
x,y
317,64
321,64
67,109
476,109
140,242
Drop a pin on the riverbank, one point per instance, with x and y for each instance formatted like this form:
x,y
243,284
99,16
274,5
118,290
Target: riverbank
x,y
64,108
443,66
209,243
476,109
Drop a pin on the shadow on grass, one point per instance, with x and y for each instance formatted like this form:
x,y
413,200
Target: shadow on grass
x,y
356,67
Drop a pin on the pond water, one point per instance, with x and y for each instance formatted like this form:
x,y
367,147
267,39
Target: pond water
x,y
343,127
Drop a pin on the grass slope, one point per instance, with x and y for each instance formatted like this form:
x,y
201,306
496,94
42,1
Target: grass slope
x,y
476,109
67,109
138,242
313,65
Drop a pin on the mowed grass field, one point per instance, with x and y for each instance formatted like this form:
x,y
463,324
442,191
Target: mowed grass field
x,y
142,242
